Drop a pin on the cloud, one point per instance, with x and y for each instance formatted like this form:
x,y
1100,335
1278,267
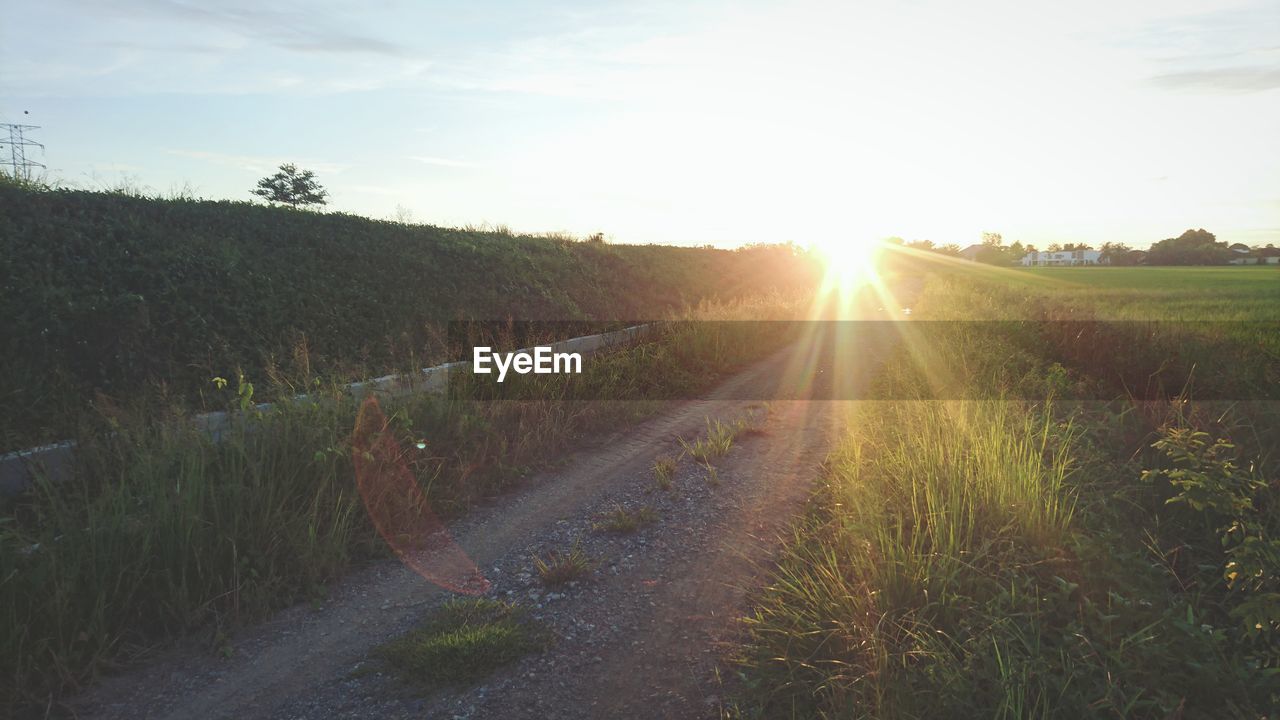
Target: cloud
x,y
1257,78
442,162
298,29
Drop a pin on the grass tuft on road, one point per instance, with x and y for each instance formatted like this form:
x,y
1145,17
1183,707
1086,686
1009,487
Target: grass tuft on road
x,y
463,642
664,470
557,567
716,443
623,521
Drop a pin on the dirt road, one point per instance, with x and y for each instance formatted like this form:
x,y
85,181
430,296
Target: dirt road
x,y
640,636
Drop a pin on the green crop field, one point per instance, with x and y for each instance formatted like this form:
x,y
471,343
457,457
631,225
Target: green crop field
x,y
1168,293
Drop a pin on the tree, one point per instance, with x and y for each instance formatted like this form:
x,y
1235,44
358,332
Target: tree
x,y
291,187
1193,247
995,252
1116,253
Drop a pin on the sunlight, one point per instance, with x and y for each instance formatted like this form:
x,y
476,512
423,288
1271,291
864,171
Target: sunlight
x,y
850,264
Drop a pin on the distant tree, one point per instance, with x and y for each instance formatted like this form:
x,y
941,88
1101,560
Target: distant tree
x,y
1193,247
995,252
1068,247
1116,253
291,187
1053,247
921,245
951,249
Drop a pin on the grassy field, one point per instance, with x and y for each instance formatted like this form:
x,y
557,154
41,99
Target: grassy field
x,y
115,301
1244,293
1042,556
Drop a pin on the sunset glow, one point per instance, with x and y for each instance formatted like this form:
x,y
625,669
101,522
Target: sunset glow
x,y
688,123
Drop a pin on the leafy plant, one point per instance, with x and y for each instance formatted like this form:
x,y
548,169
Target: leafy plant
x,y
1209,482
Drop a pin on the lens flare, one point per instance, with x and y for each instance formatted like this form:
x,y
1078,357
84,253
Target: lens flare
x,y
399,509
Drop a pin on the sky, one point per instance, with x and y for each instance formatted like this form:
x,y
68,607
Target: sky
x,y
684,122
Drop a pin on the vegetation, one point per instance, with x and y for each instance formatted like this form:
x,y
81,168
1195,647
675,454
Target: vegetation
x,y
1041,556
622,521
291,187
664,469
558,567
1193,247
716,442
116,301
463,642
163,532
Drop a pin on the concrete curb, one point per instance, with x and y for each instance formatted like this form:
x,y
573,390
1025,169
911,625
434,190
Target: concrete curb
x,y
56,461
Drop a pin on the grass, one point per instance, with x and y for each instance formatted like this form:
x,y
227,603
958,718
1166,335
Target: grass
x,y
463,642
1032,557
557,567
713,474
623,521
231,287
664,470
716,442
162,533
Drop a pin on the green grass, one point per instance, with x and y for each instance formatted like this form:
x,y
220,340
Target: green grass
x,y
664,470
715,443
462,643
1243,293
622,521
1030,558
110,298
162,533
557,567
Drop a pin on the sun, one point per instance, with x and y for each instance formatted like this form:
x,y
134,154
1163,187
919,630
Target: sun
x,y
850,263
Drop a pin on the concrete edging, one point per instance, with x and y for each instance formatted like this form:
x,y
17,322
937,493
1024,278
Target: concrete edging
x,y
56,461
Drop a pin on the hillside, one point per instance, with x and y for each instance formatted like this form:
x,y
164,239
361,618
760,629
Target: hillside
x,y
108,297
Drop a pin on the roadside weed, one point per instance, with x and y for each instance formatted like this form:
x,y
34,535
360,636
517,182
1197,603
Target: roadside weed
x,y
558,567
462,642
622,520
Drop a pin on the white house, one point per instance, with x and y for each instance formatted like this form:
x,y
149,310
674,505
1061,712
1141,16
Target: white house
x,y
1255,256
1063,257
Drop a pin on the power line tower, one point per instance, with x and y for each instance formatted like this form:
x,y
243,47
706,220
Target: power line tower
x,y
19,165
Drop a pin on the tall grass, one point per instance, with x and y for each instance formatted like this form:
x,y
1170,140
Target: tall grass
x,y
1010,558
923,517
163,532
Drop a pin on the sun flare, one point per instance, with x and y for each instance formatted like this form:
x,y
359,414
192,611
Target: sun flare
x,y
850,264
